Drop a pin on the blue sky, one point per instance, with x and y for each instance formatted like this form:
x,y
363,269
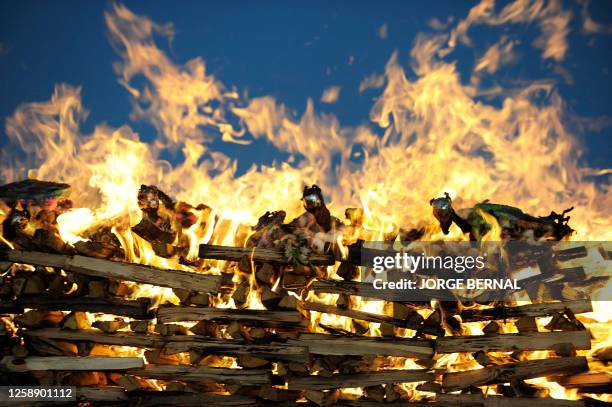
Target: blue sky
x,y
290,50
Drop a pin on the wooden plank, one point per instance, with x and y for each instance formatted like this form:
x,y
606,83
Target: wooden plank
x,y
367,316
175,313
137,309
340,381
510,342
116,270
507,373
358,345
530,310
477,400
177,343
204,374
229,253
87,363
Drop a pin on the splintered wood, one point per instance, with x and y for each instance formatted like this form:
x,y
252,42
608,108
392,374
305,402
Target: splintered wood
x,y
271,324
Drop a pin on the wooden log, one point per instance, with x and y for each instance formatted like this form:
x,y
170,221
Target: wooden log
x,y
528,341
152,233
177,343
373,403
88,363
349,288
358,345
204,374
293,349
95,336
116,270
556,275
321,398
137,309
169,398
367,290
477,400
591,382
118,394
271,395
75,320
516,371
112,394
228,253
603,354
530,310
274,351
110,327
570,253
606,254
38,318
339,381
466,400
366,316
174,313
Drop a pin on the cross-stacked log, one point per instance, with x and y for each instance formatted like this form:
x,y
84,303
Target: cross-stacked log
x,y
258,254
35,363
116,270
174,344
517,371
267,318
274,347
137,309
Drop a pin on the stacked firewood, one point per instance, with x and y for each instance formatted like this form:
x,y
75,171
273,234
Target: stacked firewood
x,y
70,316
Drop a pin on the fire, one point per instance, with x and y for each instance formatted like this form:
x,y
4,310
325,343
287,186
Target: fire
x,y
73,223
428,133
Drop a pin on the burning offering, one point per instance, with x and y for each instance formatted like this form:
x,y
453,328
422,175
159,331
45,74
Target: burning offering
x,y
207,245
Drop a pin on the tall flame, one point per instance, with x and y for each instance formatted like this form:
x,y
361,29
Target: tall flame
x,y
437,135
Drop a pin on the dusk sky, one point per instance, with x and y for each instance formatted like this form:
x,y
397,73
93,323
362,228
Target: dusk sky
x,y
292,51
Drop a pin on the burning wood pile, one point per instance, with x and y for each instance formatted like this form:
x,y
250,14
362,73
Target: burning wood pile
x,y
272,321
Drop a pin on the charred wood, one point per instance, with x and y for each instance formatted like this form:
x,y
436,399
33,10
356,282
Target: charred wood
x,y
177,343
258,254
476,400
33,363
172,313
510,342
367,290
366,316
339,381
530,310
116,270
592,382
204,374
343,346
109,394
506,373
169,398
137,309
